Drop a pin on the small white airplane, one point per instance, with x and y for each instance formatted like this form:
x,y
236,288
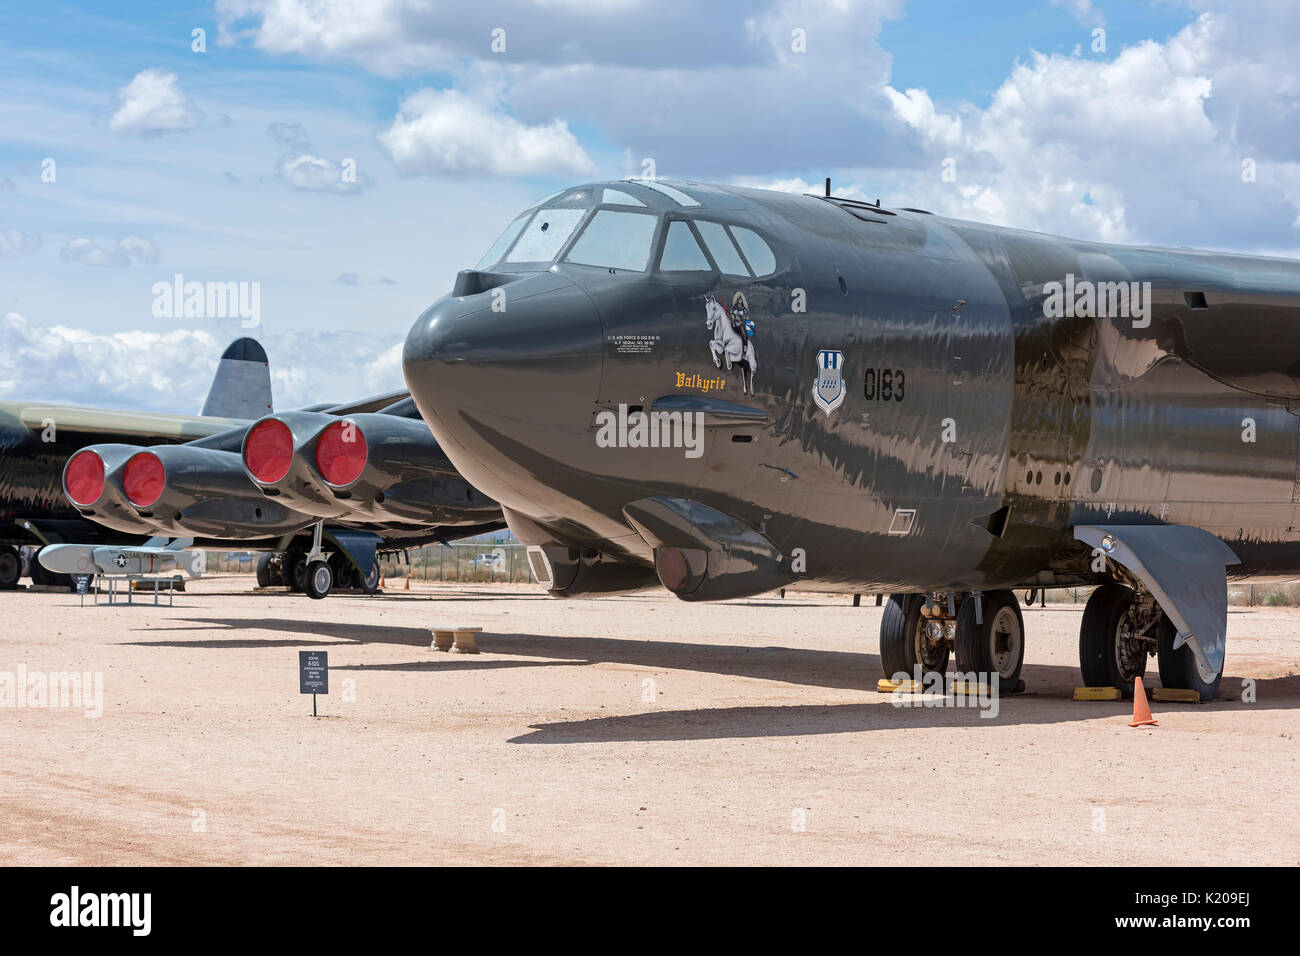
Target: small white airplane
x,y
155,557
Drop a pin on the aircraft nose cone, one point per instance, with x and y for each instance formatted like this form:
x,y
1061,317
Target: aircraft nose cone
x,y
512,362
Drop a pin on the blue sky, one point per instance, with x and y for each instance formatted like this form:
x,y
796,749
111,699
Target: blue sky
x,y
227,165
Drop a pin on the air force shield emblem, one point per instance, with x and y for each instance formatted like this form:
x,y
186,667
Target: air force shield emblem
x,y
828,389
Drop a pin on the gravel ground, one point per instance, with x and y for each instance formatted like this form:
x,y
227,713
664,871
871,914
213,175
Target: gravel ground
x,y
636,730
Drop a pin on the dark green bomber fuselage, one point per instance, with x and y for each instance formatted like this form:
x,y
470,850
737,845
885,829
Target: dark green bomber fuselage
x,y
1001,427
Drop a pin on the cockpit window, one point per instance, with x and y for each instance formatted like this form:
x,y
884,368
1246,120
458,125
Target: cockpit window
x,y
616,197
759,254
545,235
676,195
722,248
617,240
493,255
681,252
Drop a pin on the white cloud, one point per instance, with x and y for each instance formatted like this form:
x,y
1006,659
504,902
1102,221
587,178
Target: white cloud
x,y
15,242
446,132
301,168
123,252
172,371
153,103
1144,147
1083,11
315,173
371,31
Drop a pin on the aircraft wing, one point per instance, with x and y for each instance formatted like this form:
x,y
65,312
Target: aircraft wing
x,y
372,404
136,425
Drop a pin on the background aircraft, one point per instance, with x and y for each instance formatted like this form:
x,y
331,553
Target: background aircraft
x,y
724,390
85,476
36,439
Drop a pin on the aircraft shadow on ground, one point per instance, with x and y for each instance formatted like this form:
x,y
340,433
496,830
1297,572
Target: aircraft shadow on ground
x,y
1050,686
801,720
305,631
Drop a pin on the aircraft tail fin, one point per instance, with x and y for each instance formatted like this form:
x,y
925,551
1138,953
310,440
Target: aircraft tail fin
x,y
242,386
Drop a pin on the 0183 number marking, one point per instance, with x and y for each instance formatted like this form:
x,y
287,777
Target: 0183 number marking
x,y
884,385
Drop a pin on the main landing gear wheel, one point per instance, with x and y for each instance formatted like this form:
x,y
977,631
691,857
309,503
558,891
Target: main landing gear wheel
x,y
294,573
1110,654
997,646
11,567
319,580
264,569
369,582
905,643
1178,667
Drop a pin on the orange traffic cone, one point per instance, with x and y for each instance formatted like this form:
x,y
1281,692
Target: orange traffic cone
x,y
1141,709
381,582
407,585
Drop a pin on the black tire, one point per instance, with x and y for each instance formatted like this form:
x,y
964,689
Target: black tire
x,y
1178,667
996,646
11,567
319,578
1100,658
345,573
264,569
370,582
41,575
293,572
902,640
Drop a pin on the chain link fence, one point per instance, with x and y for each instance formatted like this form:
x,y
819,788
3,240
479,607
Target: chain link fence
x,y
464,562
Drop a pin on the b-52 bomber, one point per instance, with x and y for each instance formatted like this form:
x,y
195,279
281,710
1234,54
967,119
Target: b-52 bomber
x,y
723,391
320,491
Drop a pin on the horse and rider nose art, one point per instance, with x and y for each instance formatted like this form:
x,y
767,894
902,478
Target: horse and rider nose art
x,y
732,344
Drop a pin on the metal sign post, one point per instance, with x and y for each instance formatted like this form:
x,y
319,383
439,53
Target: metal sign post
x,y
313,675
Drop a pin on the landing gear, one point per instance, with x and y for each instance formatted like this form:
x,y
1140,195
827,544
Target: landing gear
x,y
11,567
293,570
1178,667
319,579
369,582
994,644
1118,632
1122,628
264,569
911,641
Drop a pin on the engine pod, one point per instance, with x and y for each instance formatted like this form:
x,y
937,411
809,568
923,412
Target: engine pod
x,y
704,555
92,481
206,492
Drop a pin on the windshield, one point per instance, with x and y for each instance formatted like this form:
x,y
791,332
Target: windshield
x,y
616,240
538,235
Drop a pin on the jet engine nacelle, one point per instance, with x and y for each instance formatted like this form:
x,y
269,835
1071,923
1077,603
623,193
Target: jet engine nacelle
x,y
92,481
565,572
190,491
366,467
704,555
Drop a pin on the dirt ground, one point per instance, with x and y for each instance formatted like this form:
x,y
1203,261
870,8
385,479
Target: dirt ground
x,y
637,730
